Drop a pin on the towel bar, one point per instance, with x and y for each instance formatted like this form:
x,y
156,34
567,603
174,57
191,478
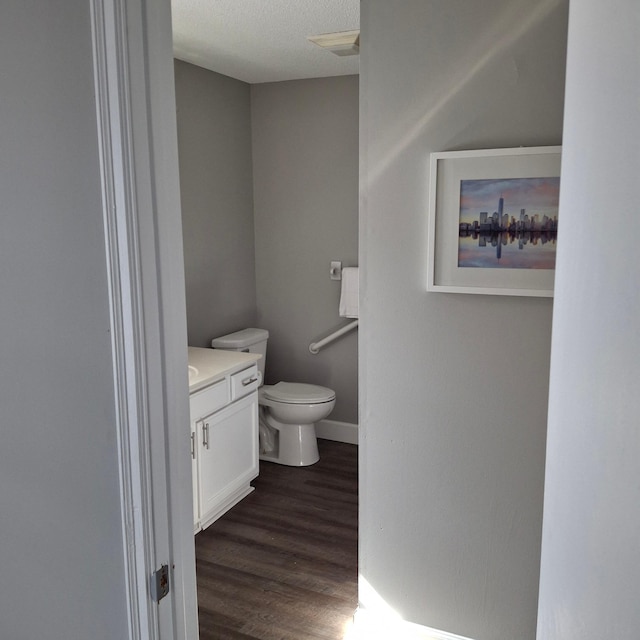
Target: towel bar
x,y
314,347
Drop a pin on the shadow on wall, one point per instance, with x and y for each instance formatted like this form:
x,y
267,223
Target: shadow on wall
x,y
518,20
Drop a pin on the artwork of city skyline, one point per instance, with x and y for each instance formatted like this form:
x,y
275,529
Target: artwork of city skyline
x,y
508,223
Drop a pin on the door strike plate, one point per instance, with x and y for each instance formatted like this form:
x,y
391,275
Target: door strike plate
x,y
160,583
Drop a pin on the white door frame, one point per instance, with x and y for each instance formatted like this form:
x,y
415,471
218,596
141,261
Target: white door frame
x,y
135,102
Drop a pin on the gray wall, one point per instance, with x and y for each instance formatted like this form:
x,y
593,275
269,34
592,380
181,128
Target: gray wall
x,y
305,154
214,145
452,427
61,550
590,550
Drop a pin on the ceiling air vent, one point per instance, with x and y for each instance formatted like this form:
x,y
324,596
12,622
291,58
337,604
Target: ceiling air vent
x,y
343,43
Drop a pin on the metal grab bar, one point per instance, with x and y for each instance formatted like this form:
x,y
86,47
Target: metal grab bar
x,y
314,347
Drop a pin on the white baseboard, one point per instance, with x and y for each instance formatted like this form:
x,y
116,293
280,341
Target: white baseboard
x,y
367,626
338,431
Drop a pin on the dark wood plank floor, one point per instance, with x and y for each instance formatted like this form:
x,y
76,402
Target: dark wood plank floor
x,y
282,564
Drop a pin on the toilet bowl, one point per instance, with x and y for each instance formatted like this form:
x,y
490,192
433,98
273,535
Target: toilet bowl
x,y
288,413
288,410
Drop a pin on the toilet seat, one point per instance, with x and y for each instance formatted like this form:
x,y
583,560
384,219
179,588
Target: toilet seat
x,y
298,393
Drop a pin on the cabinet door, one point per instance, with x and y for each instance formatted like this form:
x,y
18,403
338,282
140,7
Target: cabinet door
x,y
228,458
195,427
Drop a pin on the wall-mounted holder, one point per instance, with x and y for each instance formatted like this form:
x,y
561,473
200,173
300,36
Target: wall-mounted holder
x,y
336,270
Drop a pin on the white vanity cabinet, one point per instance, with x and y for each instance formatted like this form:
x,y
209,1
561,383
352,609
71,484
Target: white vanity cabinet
x,y
224,443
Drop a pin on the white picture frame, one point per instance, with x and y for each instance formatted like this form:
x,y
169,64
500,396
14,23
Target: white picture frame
x,y
531,176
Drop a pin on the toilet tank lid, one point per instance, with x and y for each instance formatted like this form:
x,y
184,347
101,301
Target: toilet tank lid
x,y
298,393
240,339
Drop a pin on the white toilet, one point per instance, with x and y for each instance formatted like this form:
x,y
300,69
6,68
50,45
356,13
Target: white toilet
x,y
288,410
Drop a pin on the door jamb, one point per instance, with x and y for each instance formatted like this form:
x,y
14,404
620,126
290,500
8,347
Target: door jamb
x,y
135,106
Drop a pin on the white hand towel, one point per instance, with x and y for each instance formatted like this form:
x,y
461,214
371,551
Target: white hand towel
x,y
349,293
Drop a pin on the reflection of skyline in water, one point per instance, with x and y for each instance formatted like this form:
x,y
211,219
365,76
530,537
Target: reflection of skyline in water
x,y
507,250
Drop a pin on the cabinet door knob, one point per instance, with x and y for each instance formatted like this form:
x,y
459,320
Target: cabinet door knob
x,y
193,445
247,381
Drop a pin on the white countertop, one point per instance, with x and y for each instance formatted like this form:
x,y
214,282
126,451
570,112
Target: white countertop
x,y
214,364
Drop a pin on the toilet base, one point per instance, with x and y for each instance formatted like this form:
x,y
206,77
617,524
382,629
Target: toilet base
x,y
295,445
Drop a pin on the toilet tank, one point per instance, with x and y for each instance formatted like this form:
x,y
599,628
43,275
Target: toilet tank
x,y
247,340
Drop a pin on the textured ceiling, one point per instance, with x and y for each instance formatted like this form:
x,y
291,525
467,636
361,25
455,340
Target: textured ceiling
x,y
263,40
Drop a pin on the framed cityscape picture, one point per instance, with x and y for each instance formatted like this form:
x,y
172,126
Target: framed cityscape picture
x,y
493,221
